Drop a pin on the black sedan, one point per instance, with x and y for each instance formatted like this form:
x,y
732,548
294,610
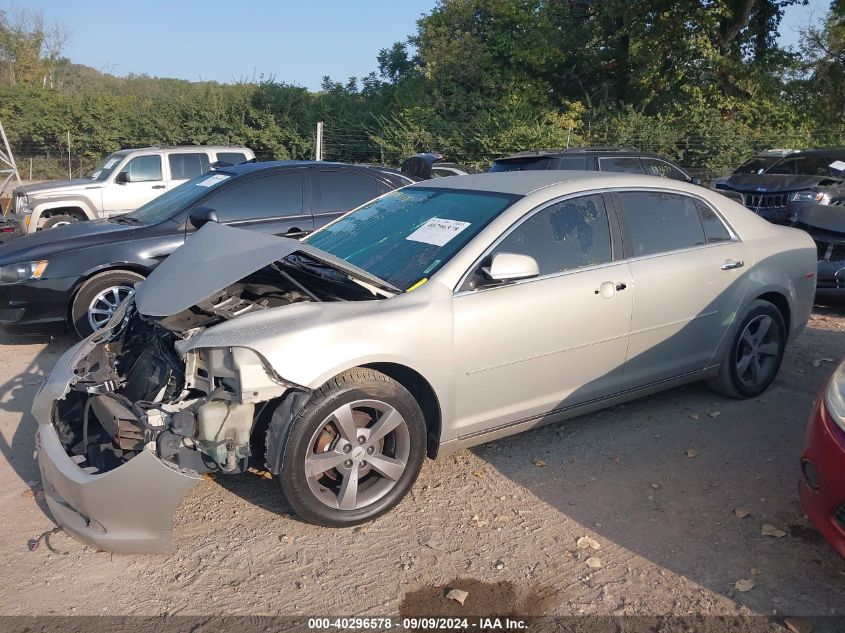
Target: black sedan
x,y
78,274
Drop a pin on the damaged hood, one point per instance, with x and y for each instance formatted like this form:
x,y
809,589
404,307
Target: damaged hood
x,y
773,183
217,256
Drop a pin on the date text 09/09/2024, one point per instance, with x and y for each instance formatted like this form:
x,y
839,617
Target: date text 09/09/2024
x,y
418,623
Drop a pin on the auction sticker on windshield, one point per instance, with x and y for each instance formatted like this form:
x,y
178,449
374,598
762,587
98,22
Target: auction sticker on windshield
x,y
437,231
212,180
838,165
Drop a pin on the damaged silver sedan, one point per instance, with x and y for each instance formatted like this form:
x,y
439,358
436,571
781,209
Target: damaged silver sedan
x,y
434,318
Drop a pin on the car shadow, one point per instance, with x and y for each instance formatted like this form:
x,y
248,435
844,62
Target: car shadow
x,y
687,478
16,395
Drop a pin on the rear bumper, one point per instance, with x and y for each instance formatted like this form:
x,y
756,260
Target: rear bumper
x,y
125,510
822,486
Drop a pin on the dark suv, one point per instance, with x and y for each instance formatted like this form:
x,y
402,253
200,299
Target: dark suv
x,y
594,159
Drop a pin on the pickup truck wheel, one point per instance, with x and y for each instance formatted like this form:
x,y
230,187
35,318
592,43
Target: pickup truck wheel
x,y
98,298
753,358
354,450
58,220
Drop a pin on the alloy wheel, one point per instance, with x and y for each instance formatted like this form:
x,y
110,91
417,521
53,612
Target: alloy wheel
x,y
758,351
357,455
105,303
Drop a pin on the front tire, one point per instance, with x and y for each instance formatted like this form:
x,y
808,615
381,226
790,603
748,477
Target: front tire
x,y
98,298
58,220
753,358
354,450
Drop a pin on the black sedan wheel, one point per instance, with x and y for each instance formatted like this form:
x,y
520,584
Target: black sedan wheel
x,y
354,450
97,299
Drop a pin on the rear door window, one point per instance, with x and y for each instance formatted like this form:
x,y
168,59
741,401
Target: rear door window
x,y
527,164
658,222
271,196
623,164
187,166
570,162
343,190
657,167
570,234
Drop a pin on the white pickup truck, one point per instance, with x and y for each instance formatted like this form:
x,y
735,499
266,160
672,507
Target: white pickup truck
x,y
121,183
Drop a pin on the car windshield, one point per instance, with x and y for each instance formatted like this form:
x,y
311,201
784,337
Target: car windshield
x,y
167,204
107,166
755,165
810,165
406,236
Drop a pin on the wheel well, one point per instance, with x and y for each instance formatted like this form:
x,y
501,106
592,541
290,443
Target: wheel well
x,y
424,395
76,212
132,268
782,304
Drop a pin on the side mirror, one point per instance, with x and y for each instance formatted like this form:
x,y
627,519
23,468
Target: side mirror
x,y
203,215
122,178
507,267
696,180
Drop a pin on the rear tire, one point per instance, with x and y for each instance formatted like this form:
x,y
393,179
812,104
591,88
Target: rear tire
x,y
58,220
340,467
98,296
753,359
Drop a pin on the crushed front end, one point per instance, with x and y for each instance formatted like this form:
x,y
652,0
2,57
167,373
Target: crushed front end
x,y
127,426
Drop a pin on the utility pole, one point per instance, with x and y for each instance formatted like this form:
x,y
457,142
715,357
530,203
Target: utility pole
x,y
69,169
318,151
8,168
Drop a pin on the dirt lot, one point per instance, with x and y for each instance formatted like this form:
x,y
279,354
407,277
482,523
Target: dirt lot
x,y
656,483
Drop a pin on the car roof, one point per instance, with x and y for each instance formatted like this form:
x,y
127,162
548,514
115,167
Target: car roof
x,y
182,148
839,153
520,183
578,151
246,168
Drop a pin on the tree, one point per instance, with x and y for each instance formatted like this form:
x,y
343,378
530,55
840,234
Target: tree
x,y
29,49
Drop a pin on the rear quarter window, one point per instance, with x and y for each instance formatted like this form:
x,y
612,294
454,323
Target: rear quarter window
x,y
233,158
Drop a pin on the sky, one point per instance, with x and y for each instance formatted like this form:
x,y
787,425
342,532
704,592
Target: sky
x,y
292,41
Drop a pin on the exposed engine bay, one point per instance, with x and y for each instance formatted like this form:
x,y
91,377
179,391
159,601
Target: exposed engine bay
x,y
133,391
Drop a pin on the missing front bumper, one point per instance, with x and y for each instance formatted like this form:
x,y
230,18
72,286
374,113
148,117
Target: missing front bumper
x,y
128,509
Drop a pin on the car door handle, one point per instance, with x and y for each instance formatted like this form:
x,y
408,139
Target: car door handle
x,y
608,289
730,264
295,233
158,186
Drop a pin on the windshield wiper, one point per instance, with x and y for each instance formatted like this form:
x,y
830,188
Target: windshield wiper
x,y
323,270
125,219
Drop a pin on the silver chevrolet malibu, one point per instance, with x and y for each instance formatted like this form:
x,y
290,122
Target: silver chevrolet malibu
x,y
433,318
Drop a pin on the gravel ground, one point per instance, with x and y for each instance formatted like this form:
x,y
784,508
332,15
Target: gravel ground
x,y
655,484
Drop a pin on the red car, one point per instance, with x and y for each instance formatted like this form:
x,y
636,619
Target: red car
x,y
823,463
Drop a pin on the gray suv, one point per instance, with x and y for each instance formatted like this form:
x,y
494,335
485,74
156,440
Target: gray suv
x,y
121,183
613,159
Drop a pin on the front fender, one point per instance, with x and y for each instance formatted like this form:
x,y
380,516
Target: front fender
x,y
309,343
77,200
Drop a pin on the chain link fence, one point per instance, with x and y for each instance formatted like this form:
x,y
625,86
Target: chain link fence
x,y
706,155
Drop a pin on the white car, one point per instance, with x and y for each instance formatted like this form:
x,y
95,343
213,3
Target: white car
x,y
121,183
